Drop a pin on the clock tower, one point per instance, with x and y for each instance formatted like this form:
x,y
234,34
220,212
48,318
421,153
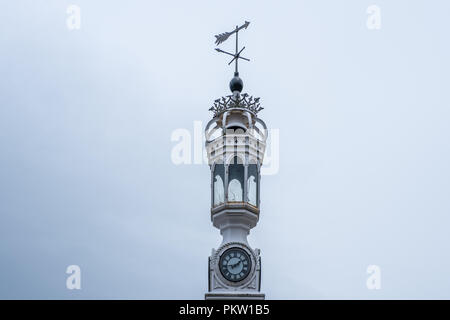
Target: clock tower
x,y
235,145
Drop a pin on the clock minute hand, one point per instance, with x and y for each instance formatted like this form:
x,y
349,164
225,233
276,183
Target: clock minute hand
x,y
235,265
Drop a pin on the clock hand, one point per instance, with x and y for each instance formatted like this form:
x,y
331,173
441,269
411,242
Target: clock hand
x,y
235,265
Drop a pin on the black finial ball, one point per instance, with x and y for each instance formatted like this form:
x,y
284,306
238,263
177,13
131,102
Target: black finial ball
x,y
236,84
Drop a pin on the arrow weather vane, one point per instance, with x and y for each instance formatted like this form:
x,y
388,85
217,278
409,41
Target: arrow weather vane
x,y
237,55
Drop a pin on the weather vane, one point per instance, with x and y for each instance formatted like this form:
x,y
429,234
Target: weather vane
x,y
237,55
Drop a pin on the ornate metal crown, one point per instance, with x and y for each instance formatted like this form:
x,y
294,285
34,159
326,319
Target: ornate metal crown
x,y
241,101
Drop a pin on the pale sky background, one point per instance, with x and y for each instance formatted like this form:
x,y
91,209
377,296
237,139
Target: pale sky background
x,y
86,117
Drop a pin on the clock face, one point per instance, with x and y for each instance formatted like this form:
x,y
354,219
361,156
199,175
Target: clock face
x,y
235,264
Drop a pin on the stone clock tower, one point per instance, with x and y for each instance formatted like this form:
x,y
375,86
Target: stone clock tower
x,y
235,144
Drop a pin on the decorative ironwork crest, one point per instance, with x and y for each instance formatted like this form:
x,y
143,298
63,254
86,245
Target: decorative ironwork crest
x,y
241,101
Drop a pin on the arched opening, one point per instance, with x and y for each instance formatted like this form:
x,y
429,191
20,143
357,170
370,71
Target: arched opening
x,y
236,180
218,184
252,184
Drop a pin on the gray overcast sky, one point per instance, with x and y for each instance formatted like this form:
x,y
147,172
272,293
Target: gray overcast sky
x,y
86,175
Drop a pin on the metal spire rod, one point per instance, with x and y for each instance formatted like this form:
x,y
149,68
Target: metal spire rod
x,y
236,57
